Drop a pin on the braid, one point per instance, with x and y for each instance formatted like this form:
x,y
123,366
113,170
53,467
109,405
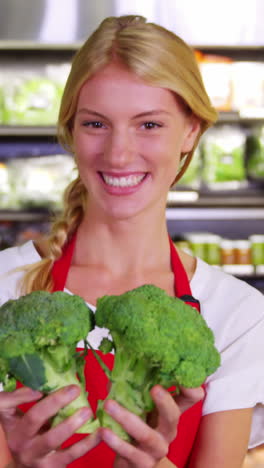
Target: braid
x,y
38,276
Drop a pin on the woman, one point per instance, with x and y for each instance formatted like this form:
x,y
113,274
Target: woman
x,y
132,113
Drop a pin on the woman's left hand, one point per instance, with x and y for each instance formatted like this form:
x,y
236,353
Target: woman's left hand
x,y
150,445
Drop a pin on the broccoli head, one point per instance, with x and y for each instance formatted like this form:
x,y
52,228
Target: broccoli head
x,y
38,337
157,339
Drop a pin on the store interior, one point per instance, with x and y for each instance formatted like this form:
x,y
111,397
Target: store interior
x,y
216,211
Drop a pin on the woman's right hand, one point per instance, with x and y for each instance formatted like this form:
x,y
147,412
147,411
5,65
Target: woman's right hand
x,y
31,441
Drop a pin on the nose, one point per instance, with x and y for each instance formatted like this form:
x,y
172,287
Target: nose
x,y
119,149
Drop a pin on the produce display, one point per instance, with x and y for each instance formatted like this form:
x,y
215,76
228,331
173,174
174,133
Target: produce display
x,y
31,98
217,75
224,162
220,251
228,157
35,182
233,85
39,333
33,102
255,155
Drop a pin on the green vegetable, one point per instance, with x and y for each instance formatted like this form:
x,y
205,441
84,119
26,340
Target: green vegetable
x,y
255,156
157,339
34,101
38,337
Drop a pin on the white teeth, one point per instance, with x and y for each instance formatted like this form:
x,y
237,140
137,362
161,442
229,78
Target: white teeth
x,y
128,181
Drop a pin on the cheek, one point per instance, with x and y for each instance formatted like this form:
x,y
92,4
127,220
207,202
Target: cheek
x,y
169,155
86,148
155,149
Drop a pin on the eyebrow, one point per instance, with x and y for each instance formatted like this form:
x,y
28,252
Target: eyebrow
x,y
142,114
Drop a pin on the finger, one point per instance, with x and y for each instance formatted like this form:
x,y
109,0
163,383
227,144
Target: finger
x,y
134,455
9,400
79,449
43,444
39,414
149,439
189,397
168,413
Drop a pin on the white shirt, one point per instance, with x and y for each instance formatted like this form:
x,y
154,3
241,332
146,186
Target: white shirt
x,y
233,310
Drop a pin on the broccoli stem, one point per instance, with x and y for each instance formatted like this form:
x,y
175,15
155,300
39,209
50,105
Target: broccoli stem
x,y
58,380
69,378
131,382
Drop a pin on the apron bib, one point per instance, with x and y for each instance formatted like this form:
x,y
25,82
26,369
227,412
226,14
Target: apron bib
x,y
96,381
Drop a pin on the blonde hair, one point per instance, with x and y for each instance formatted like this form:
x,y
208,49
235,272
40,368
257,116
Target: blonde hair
x,y
157,56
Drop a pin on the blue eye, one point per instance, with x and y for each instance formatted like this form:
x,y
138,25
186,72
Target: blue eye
x,y
150,125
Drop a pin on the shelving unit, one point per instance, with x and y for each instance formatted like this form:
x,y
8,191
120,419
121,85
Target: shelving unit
x,y
243,52
25,216
8,131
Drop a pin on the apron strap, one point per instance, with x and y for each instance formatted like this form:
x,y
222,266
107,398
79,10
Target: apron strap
x,y
62,265
181,283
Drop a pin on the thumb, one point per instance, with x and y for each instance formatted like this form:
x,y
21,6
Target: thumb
x,y
189,397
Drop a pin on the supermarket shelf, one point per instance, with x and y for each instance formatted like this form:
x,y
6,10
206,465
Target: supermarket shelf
x,y
240,48
231,202
238,52
248,198
25,216
39,53
22,148
213,213
36,46
232,117
33,45
30,131
230,224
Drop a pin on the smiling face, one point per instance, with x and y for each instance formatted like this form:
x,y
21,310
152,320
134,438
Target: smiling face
x,y
128,138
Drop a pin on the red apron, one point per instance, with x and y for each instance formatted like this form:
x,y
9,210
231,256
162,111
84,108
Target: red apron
x,y
96,381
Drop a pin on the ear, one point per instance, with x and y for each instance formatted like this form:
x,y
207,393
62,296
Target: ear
x,y
193,127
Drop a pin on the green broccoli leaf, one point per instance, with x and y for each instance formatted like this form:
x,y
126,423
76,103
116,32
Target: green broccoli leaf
x,y
29,369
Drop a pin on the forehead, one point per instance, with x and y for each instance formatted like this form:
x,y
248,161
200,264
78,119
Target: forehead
x,y
117,84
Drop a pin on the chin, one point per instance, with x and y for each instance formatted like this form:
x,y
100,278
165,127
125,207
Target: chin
x,y
125,212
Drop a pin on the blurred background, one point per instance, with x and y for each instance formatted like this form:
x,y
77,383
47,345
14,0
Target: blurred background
x,y
217,210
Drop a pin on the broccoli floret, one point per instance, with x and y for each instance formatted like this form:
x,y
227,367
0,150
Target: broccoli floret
x,y
157,339
38,337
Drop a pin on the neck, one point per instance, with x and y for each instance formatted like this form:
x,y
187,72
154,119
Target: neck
x,y
127,245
